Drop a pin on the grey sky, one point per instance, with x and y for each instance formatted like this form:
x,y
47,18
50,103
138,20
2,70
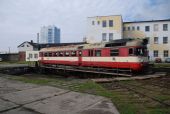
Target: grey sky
x,y
20,20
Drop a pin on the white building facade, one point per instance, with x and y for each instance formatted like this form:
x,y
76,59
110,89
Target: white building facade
x,y
156,31
49,34
107,28
32,55
104,28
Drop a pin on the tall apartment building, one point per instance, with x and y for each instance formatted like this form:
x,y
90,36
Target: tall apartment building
x,y
106,28
156,31
49,34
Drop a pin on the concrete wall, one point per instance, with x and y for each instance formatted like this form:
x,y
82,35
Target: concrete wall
x,y
10,57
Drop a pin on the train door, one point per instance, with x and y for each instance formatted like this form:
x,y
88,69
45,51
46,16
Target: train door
x,y
90,57
79,57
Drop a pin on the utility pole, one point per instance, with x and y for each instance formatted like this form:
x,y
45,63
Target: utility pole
x,y
9,49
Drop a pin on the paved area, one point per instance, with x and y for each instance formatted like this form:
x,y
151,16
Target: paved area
x,y
23,98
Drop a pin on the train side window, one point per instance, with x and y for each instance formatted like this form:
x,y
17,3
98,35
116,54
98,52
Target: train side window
x,y
90,53
50,54
60,53
114,52
131,52
45,54
67,53
80,53
73,53
55,54
41,54
98,53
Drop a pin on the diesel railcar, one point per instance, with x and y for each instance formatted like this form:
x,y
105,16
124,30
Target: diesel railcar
x,y
118,54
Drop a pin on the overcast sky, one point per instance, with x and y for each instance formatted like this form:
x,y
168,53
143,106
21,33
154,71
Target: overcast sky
x,y
20,20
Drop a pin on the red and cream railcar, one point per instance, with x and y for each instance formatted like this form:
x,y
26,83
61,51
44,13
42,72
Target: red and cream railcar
x,y
123,55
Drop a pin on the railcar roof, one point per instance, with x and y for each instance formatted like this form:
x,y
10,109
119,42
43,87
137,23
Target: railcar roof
x,y
115,43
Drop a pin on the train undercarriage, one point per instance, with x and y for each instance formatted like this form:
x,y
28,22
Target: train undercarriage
x,y
95,71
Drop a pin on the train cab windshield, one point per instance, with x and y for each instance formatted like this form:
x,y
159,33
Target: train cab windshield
x,y
141,51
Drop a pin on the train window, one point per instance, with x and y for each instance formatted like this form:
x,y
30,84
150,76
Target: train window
x,y
114,52
130,51
98,53
45,54
90,53
55,54
60,53
50,54
140,51
41,54
73,53
80,53
67,53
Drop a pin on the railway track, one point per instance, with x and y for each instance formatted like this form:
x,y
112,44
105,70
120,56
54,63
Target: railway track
x,y
130,88
162,83
139,91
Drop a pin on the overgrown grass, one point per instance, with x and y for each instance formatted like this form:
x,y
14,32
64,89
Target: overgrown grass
x,y
161,65
127,102
13,62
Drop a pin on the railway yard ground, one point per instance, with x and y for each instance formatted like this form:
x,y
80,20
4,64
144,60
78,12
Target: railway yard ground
x,y
146,96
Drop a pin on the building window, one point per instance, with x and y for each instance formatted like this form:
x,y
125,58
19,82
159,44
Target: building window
x,y
138,28
98,22
114,52
155,53
104,23
165,27
104,36
110,36
165,40
124,28
147,28
30,55
155,27
166,53
133,28
128,28
93,22
110,23
155,40
98,53
35,55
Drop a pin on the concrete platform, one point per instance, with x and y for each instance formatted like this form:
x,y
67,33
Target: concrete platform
x,y
23,98
35,94
5,105
69,103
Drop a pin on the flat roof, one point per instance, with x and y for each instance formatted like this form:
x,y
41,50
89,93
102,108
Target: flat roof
x,y
162,20
105,16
